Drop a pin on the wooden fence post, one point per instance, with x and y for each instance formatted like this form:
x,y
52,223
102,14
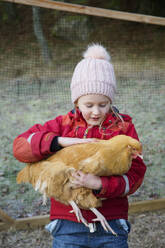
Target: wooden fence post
x,y
6,218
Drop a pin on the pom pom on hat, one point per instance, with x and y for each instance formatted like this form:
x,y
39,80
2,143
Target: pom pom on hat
x,y
96,51
94,74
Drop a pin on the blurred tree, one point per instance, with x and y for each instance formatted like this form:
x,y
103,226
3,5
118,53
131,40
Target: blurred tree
x,y
150,7
7,12
12,11
40,35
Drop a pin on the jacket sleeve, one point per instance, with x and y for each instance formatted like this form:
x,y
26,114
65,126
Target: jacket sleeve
x,y
118,186
35,144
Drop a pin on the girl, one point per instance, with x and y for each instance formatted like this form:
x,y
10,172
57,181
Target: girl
x,y
93,88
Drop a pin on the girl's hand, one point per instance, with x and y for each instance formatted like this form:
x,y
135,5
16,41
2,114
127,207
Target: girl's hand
x,y
85,180
65,141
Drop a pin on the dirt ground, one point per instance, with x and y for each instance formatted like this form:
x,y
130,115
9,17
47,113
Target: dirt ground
x,y
147,231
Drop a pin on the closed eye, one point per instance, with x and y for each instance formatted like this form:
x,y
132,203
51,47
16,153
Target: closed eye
x,y
89,105
102,105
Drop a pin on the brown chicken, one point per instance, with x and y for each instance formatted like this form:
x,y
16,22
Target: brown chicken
x,y
53,176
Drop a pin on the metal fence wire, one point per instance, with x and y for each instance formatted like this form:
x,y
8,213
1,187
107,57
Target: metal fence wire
x,y
38,53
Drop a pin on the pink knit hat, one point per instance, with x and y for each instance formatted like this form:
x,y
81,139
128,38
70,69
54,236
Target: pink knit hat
x,y
94,74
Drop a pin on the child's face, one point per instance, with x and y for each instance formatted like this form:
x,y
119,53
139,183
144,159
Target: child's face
x,y
94,108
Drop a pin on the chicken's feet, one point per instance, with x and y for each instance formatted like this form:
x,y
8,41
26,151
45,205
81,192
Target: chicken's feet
x,y
103,221
78,213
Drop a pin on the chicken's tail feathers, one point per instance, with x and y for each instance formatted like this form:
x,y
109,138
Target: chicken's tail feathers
x,y
41,187
23,175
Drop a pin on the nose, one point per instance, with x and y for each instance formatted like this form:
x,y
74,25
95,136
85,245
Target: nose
x,y
96,110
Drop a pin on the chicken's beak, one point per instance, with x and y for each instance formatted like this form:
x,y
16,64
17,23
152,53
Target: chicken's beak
x,y
136,154
140,156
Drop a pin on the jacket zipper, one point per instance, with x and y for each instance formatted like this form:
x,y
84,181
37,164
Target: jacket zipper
x,y
86,132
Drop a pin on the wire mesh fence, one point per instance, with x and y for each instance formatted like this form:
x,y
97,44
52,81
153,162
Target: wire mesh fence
x,y
34,89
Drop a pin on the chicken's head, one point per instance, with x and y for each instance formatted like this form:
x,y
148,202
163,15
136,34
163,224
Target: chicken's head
x,y
136,148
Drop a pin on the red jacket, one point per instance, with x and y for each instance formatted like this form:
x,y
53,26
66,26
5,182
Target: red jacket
x,y
35,143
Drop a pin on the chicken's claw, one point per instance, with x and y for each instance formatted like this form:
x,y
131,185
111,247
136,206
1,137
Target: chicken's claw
x,y
103,221
78,213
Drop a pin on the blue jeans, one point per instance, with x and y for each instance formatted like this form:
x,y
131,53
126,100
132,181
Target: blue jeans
x,y
71,235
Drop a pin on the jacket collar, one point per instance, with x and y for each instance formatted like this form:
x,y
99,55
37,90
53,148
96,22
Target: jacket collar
x,y
80,121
